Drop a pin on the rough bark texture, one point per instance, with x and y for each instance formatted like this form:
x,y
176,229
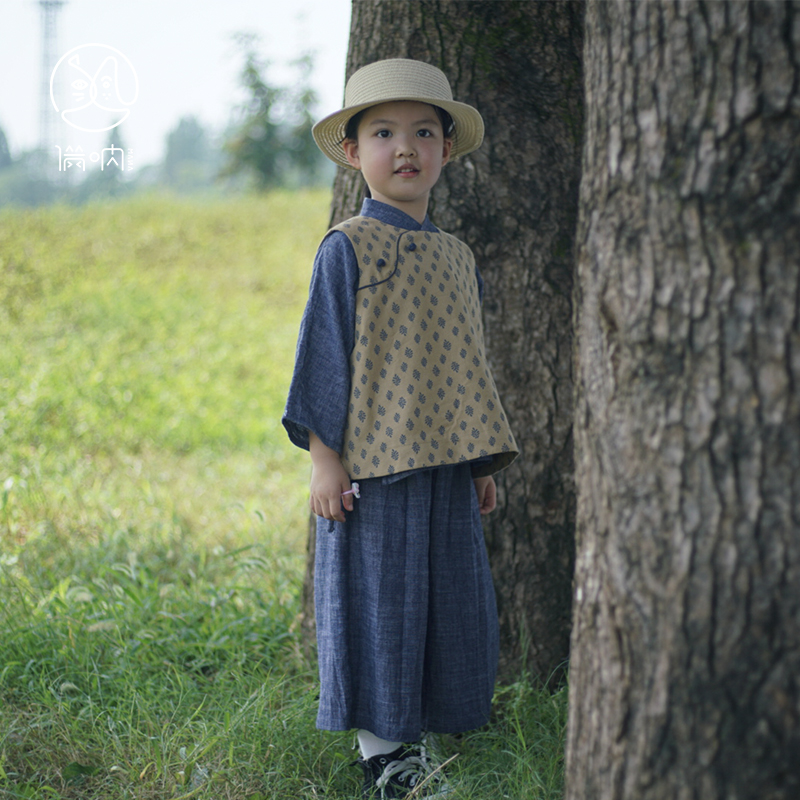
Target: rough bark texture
x,y
686,641
514,202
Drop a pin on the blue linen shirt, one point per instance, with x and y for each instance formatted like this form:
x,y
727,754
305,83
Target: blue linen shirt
x,y
319,393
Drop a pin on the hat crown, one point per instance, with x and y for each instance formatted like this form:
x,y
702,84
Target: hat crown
x,y
396,79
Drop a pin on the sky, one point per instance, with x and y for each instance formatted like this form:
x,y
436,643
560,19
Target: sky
x,y
180,52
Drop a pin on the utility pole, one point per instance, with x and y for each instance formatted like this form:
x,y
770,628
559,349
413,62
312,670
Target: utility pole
x,y
48,121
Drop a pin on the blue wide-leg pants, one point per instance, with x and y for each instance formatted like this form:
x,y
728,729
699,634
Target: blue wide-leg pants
x,y
407,629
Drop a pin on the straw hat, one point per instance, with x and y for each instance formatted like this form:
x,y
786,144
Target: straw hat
x,y
398,79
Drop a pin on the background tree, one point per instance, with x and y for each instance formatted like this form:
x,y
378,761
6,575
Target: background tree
x,y
190,161
686,647
306,165
254,145
23,178
271,141
514,201
5,152
108,181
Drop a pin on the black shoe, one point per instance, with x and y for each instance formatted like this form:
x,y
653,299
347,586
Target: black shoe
x,y
398,774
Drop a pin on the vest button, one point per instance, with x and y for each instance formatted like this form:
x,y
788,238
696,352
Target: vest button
x,y
380,263
410,247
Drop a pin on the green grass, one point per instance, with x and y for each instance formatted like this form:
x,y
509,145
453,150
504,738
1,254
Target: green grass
x,y
153,517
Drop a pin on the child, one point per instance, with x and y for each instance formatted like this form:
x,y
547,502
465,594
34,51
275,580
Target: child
x,y
391,389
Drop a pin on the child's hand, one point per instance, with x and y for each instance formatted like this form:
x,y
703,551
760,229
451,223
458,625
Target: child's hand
x,y
487,494
328,480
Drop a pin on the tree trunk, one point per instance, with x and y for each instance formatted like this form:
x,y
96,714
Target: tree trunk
x,y
514,202
686,641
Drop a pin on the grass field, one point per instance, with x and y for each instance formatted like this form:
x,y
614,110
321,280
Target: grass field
x,y
153,517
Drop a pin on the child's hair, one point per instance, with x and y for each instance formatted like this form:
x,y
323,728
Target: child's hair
x,y
448,126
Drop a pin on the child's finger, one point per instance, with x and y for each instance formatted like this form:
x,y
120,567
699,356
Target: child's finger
x,y
335,509
489,502
327,508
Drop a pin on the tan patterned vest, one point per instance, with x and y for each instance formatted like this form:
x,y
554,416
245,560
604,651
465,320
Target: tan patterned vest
x,y
421,392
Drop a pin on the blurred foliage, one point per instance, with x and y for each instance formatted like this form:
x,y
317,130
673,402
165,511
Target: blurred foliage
x,y
305,156
271,140
191,161
266,145
5,154
253,144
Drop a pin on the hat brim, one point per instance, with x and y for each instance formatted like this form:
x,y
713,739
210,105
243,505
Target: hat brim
x,y
329,133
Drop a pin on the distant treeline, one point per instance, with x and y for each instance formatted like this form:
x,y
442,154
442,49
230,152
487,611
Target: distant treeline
x,y
267,144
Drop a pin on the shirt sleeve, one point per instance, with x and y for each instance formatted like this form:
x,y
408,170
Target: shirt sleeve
x,y
319,392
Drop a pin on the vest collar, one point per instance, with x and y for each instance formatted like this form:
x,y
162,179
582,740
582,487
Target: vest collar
x,y
390,215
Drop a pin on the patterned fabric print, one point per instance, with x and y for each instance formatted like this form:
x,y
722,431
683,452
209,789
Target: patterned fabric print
x,y
422,394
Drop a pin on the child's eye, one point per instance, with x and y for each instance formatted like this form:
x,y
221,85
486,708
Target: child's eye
x,y
383,134
424,133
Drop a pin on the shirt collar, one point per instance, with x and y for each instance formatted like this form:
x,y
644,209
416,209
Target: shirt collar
x,y
394,216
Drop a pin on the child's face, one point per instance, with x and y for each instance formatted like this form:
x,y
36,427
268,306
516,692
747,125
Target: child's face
x,y
400,150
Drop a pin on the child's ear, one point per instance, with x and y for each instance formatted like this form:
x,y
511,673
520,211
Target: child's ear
x,y
448,146
350,147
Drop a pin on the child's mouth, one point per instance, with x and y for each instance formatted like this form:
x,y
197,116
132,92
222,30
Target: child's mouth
x,y
407,171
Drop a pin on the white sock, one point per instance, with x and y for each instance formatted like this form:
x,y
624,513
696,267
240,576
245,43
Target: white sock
x,y
370,745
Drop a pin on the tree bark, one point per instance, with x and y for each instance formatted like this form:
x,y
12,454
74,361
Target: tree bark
x,y
686,640
514,202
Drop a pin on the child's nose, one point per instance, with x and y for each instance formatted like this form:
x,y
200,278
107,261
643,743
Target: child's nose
x,y
405,146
